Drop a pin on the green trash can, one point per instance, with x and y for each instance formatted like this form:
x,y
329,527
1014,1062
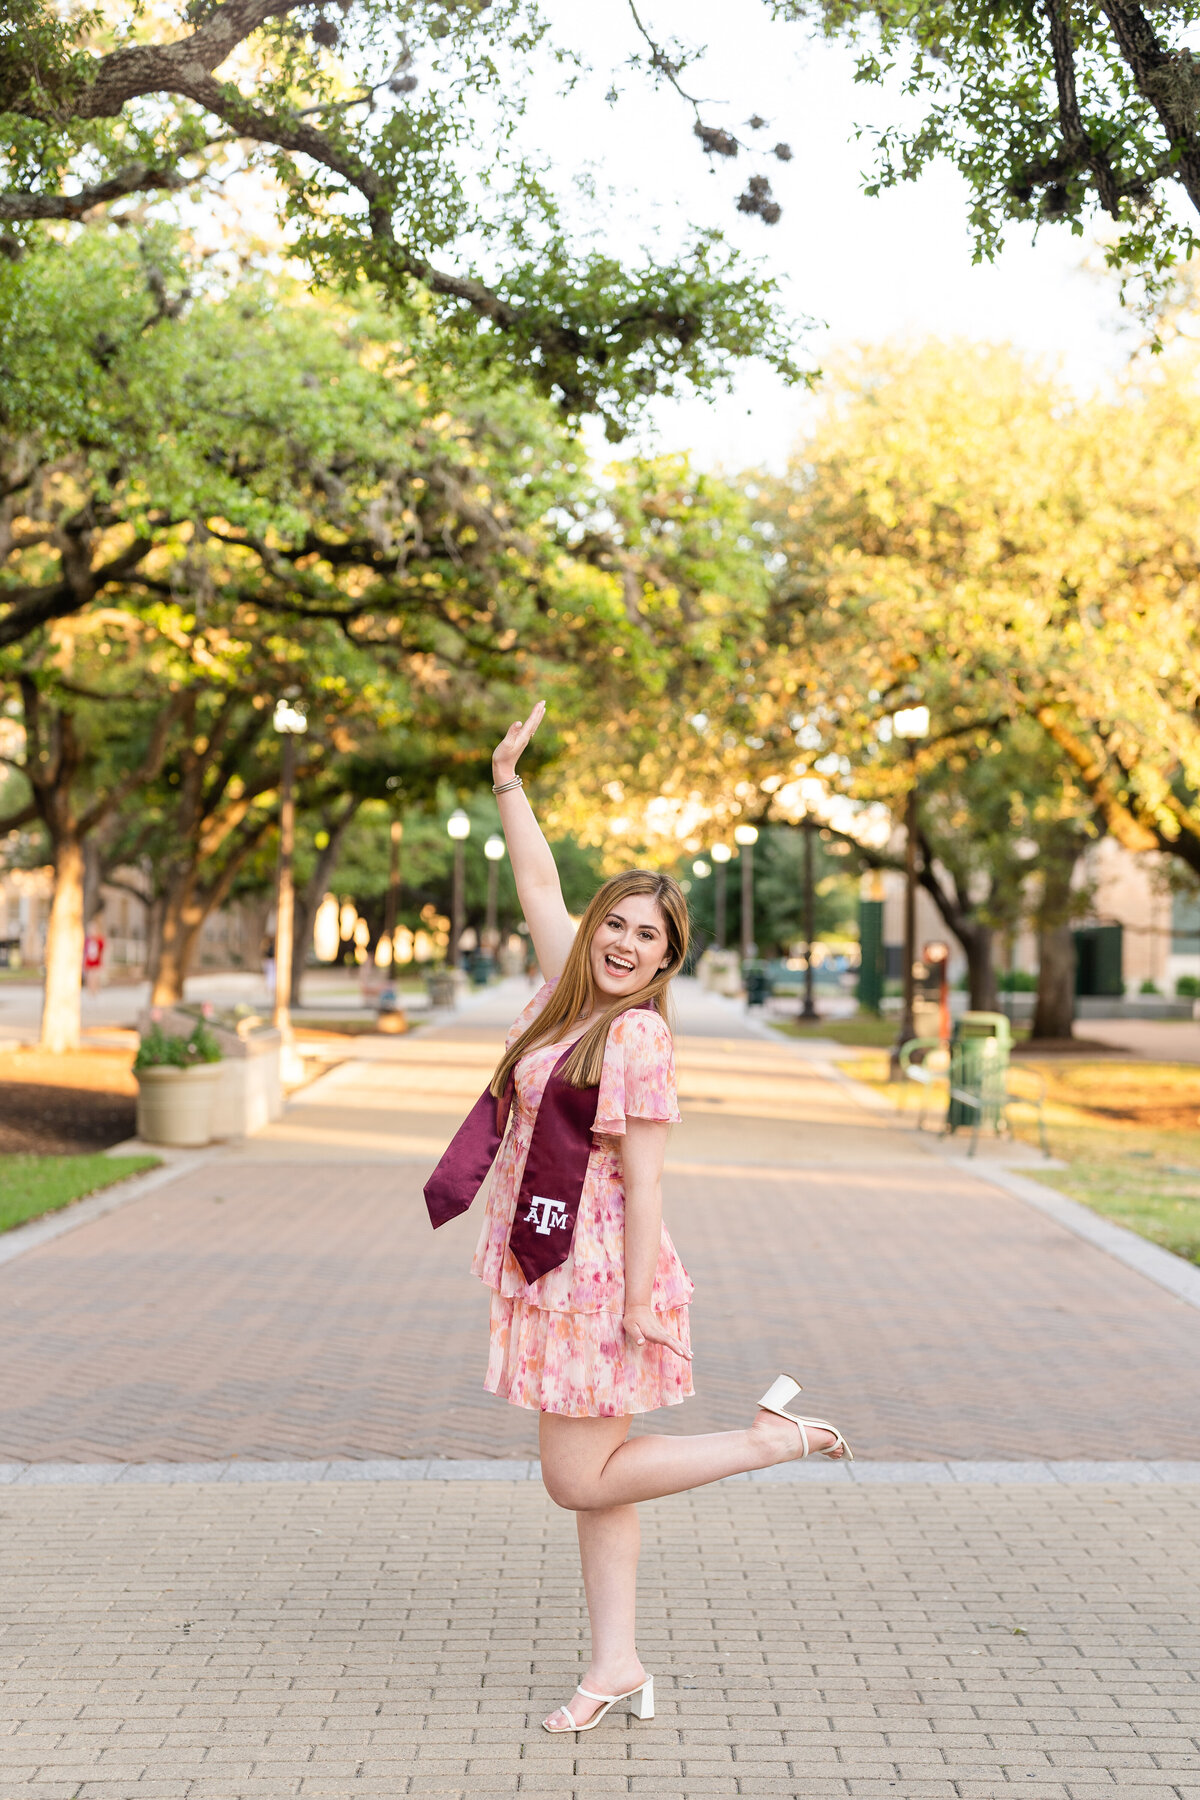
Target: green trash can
x,y
980,1046
757,980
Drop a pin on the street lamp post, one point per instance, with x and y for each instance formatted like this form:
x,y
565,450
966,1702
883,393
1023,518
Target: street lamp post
x,y
721,854
493,849
746,836
391,905
809,1009
459,827
910,724
290,722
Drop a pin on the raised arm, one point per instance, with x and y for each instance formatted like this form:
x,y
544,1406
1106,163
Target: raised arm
x,y
538,887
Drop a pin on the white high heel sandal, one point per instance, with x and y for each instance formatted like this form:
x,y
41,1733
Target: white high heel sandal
x,y
778,1398
641,1705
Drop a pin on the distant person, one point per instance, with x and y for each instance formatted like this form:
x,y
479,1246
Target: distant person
x,y
268,967
589,1308
93,957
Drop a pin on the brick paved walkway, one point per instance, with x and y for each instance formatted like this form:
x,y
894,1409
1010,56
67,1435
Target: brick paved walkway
x,y
346,1640
290,1301
931,1638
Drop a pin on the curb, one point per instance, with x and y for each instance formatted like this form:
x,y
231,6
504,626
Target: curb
x,y
434,1468
56,1224
1160,1266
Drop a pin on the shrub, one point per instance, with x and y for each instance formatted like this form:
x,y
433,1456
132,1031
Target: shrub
x,y
1188,987
1148,987
158,1050
1017,981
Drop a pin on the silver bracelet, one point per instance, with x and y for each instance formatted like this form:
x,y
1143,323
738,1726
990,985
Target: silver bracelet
x,y
506,787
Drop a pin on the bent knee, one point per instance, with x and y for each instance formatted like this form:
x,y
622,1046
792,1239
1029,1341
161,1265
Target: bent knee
x,y
568,1490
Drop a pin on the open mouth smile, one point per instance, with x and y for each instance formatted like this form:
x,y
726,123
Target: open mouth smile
x,y
618,965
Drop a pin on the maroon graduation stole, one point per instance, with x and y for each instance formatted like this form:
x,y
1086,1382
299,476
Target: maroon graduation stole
x,y
543,1226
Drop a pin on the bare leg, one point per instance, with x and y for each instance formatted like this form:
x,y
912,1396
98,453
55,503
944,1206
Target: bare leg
x,y
589,1467
609,1541
584,1468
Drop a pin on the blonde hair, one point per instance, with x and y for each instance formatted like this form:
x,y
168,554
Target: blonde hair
x,y
575,993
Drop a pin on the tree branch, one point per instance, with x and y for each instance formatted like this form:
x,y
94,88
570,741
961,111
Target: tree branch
x,y
24,815
1119,818
1075,138
146,770
140,69
31,607
1152,68
138,178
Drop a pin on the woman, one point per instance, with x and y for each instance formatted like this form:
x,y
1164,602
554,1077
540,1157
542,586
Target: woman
x,y
589,1321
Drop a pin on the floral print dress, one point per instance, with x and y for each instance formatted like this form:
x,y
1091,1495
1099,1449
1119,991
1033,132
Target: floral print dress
x,y
557,1344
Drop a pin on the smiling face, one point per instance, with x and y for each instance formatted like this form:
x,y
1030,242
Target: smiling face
x,y
629,946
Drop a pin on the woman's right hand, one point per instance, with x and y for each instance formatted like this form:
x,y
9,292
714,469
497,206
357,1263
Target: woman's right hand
x,y
643,1326
507,753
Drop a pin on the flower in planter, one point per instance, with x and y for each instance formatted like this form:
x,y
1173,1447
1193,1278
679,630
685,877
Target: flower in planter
x,y
159,1049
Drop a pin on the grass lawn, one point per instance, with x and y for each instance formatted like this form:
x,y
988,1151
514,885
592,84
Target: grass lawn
x,y
1130,1132
865,1032
1148,1181
32,1185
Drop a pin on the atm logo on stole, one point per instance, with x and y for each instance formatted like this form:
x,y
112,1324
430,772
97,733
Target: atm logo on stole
x,y
546,1215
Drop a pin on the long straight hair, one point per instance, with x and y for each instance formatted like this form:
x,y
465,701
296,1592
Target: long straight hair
x,y
575,993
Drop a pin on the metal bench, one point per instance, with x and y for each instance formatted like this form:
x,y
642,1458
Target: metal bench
x,y
975,1067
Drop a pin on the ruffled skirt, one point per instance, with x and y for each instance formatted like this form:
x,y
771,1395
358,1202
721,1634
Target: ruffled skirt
x,y
581,1364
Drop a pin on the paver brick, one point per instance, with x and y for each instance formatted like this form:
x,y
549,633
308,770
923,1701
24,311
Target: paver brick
x,y
363,1711
125,1341
344,1638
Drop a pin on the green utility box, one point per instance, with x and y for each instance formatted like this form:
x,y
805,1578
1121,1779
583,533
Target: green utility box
x,y
871,968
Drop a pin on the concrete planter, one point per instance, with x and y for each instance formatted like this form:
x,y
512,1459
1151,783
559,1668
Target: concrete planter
x,y
720,971
249,1090
175,1106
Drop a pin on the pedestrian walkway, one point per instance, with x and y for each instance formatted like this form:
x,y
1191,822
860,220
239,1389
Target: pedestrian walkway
x,y
287,1298
342,1640
1002,1593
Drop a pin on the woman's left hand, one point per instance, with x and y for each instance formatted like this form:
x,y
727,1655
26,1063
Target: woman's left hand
x,y
642,1326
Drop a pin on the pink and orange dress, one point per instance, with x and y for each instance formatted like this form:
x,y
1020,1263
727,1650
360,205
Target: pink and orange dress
x,y
557,1344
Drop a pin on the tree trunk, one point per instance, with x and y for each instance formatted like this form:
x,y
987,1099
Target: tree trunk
x,y
182,917
977,938
308,898
978,941
302,921
167,971
187,902
153,942
1054,1013
170,971
64,949
92,877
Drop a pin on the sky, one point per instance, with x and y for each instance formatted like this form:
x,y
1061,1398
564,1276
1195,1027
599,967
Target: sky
x,y
864,269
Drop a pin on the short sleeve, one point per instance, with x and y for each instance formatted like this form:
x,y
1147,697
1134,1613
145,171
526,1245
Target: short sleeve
x,y
530,1012
638,1079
